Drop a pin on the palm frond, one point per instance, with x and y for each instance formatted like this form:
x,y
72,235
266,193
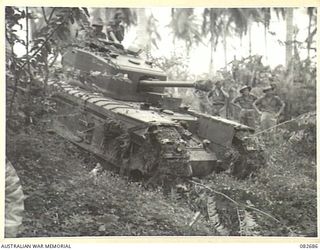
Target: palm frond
x,y
129,15
185,26
280,11
266,13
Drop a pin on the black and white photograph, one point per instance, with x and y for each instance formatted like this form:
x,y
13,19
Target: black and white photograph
x,y
160,121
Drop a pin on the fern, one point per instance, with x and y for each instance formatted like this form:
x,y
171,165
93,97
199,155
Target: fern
x,y
247,223
215,218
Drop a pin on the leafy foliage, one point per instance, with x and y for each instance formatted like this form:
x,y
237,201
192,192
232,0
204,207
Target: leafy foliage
x,y
241,17
297,88
312,29
214,217
213,24
280,200
25,72
185,26
176,66
48,39
298,172
247,223
55,36
232,19
129,15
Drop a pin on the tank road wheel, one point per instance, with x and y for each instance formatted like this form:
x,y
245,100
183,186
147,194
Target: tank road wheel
x,y
135,175
143,161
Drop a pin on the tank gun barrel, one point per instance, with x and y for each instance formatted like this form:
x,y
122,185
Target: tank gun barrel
x,y
199,85
158,83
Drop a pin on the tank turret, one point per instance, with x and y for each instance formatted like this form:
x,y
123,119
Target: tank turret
x,y
122,74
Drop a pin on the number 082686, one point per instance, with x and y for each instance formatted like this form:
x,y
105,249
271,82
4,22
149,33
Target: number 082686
x,y
309,246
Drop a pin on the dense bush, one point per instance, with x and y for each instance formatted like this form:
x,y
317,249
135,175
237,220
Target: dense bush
x,y
284,188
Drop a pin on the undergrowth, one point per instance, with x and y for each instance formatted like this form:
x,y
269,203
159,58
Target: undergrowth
x,y
62,199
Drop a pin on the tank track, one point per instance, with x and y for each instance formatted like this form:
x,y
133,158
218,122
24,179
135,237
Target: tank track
x,y
158,151
245,156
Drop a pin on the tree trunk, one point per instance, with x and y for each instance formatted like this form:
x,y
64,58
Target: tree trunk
x,y
211,65
141,39
266,43
225,46
309,32
188,47
27,41
289,35
27,56
250,35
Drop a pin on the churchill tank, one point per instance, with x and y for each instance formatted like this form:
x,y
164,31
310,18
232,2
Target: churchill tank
x,y
115,104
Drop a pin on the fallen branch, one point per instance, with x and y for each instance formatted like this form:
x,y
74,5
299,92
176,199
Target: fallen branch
x,y
278,125
264,213
235,202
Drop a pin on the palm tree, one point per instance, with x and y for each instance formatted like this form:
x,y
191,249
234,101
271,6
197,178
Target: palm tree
x,y
266,16
141,34
287,14
147,34
185,27
289,35
212,23
226,22
217,23
243,18
312,13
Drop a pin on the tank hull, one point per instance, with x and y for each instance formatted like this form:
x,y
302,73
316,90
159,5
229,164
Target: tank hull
x,y
127,136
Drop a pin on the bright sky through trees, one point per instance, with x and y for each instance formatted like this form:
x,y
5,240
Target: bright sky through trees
x,y
199,57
